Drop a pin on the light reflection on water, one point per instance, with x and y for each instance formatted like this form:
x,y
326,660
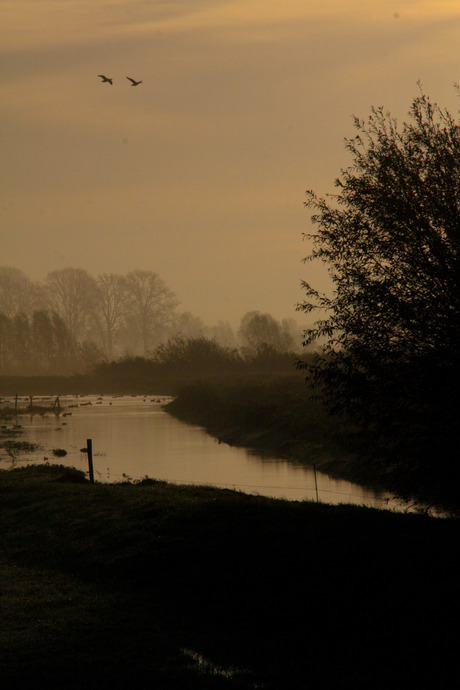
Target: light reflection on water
x,y
133,436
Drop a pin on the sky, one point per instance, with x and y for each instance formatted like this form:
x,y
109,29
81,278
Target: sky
x,y
199,173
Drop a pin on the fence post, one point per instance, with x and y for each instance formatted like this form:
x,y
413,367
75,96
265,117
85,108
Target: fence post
x,y
89,448
316,483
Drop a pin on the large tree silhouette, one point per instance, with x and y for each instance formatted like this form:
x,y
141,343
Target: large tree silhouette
x,y
389,239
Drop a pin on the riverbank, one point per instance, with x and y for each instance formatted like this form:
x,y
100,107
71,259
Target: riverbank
x,y
155,585
274,414
280,416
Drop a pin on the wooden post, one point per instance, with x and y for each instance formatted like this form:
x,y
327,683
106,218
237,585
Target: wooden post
x,y
31,398
316,483
89,448
16,404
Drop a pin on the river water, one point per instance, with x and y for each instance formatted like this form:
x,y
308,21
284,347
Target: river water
x,y
133,437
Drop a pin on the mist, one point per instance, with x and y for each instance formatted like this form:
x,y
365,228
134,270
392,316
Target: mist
x,y
198,173
72,320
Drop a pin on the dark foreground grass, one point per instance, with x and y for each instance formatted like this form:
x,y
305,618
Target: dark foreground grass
x,y
133,585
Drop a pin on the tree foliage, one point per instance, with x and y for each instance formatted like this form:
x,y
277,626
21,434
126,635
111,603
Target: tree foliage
x,y
196,356
389,238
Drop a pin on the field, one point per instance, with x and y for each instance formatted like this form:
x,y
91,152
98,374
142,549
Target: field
x,y
155,585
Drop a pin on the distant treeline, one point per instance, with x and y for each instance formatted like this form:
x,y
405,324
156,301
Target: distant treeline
x,y
41,344
190,359
81,319
170,366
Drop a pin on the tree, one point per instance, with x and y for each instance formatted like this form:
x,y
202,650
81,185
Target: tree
x,y
17,293
52,349
390,238
111,307
261,330
222,333
72,294
6,338
187,325
64,345
182,325
40,344
187,356
151,305
42,341
22,343
293,334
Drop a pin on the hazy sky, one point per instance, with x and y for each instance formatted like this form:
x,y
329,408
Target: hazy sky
x,y
200,172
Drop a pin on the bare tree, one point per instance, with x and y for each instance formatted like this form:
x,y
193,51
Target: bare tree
x,y
17,293
112,302
72,294
151,305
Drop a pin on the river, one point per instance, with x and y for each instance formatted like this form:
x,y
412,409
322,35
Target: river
x,y
134,437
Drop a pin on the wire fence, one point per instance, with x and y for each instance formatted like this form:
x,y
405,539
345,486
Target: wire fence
x,y
310,492
260,489
314,489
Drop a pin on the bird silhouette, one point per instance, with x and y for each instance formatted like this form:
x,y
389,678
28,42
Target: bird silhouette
x,y
104,78
134,82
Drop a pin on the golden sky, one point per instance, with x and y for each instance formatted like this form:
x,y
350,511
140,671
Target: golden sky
x,y
200,172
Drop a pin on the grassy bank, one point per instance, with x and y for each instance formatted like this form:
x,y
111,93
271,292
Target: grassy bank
x,y
132,585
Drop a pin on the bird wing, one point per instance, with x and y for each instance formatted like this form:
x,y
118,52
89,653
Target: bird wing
x,y
131,80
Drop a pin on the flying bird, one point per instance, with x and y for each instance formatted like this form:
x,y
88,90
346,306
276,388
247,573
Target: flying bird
x,y
104,78
134,82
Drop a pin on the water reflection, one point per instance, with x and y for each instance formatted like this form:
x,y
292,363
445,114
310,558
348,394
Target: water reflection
x,y
134,437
